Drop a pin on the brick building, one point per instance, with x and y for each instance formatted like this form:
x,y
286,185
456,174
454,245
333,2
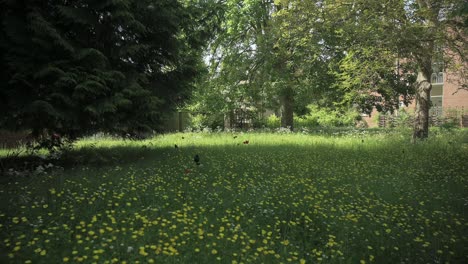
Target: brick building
x,y
446,97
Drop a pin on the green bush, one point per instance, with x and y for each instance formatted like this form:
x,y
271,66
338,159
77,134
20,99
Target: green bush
x,y
201,121
323,117
403,119
273,121
451,118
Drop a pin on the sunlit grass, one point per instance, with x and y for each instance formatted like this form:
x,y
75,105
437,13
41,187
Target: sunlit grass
x,y
323,198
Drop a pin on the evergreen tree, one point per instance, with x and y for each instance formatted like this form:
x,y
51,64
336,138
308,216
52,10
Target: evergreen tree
x,y
77,67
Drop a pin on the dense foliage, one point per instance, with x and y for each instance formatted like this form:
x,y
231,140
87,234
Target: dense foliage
x,y
284,55
76,67
82,66
255,64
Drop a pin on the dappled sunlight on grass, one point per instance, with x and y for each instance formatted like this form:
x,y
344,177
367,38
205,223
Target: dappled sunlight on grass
x,y
278,198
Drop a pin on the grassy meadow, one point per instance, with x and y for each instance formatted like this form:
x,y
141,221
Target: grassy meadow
x,y
278,198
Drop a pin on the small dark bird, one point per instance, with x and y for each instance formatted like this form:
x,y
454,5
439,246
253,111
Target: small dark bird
x,y
235,137
175,146
246,142
196,159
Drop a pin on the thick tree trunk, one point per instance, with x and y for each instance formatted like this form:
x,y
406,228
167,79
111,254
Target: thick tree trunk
x,y
287,108
423,95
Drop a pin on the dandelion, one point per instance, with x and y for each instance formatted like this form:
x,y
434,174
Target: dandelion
x,y
142,251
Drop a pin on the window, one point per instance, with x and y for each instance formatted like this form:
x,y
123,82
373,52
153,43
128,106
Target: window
x,y
437,77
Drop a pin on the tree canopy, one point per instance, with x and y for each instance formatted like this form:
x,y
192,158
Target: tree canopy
x,y
363,54
82,66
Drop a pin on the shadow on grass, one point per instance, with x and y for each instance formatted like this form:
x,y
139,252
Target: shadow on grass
x,y
145,153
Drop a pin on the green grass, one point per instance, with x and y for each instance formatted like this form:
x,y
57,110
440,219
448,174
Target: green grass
x,y
343,198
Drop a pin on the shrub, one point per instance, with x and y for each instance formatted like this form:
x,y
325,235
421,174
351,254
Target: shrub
x,y
451,118
403,119
201,121
324,117
273,121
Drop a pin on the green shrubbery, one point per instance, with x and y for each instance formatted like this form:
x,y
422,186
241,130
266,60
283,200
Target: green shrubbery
x,y
273,121
324,117
449,118
317,117
202,121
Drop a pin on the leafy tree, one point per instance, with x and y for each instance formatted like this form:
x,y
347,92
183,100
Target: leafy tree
x,y
265,57
398,29
76,67
238,77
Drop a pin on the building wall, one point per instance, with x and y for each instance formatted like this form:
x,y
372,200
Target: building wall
x,y
445,96
451,97
371,119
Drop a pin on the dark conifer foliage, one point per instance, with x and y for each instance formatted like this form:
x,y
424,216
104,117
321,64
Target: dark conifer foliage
x,y
80,66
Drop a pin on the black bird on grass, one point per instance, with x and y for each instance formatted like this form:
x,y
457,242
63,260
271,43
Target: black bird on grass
x,y
196,159
175,146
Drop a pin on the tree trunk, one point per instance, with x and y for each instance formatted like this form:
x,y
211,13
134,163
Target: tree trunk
x,y
287,108
423,95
